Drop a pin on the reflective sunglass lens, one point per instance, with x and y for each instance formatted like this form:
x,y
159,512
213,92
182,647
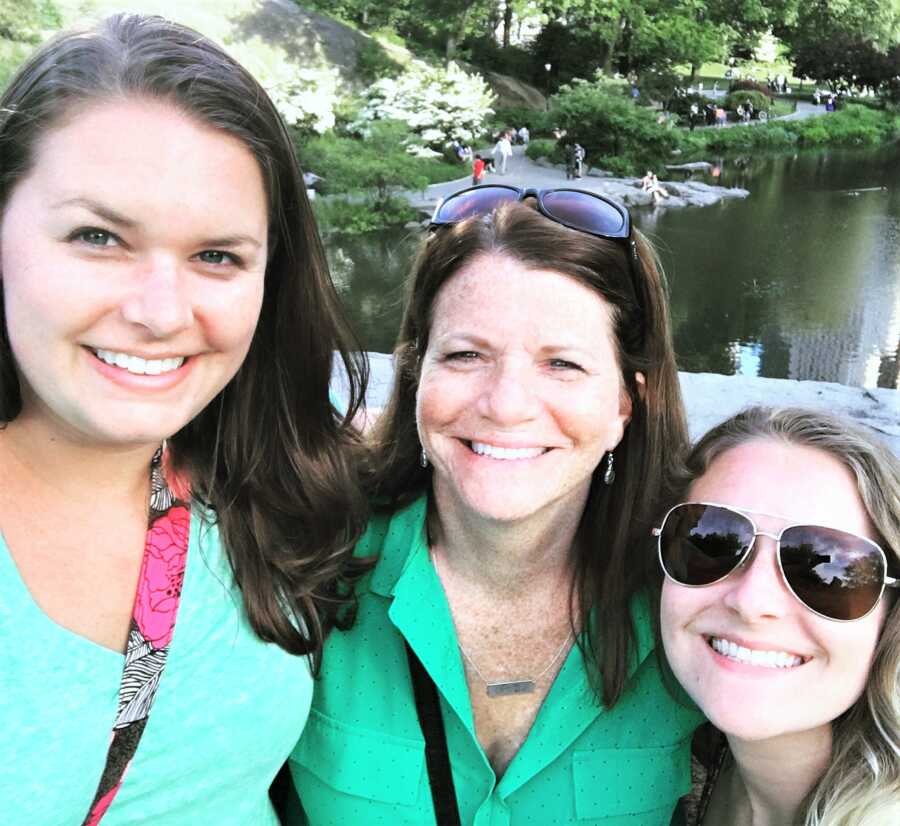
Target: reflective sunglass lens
x,y
703,543
835,573
586,213
474,202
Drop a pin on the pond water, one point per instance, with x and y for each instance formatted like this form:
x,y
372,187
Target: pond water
x,y
801,280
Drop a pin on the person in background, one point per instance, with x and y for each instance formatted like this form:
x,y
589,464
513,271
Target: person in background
x,y
477,170
179,497
535,409
502,151
780,618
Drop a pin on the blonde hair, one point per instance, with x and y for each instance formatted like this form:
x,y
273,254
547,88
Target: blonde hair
x,y
861,786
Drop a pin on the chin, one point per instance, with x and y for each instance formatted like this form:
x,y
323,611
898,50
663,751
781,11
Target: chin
x,y
746,723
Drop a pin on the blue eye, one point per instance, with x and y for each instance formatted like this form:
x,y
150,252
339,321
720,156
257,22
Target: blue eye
x,y
562,364
94,237
217,257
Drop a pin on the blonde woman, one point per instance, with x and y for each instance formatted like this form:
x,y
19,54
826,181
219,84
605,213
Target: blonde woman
x,y
779,617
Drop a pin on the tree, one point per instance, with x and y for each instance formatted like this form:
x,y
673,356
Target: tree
x,y
840,41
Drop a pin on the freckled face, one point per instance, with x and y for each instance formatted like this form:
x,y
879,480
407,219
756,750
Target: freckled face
x,y
753,608
520,393
133,257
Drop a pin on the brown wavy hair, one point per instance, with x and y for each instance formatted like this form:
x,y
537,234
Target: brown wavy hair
x,y
607,564
269,454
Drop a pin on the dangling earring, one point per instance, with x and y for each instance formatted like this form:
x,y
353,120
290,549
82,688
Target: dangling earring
x,y
423,458
609,474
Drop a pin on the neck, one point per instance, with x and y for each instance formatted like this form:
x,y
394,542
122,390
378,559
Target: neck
x,y
507,558
76,472
773,777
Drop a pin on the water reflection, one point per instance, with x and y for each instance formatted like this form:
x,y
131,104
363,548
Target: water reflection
x,y
801,280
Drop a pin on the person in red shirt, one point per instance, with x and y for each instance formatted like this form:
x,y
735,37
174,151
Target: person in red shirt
x,y
477,170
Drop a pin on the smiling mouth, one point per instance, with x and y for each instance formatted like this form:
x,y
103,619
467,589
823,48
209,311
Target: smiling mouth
x,y
763,659
139,366
506,453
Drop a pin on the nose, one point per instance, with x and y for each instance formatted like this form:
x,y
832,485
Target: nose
x,y
509,395
757,591
159,299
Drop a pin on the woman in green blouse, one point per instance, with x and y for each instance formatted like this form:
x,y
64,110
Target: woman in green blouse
x,y
535,406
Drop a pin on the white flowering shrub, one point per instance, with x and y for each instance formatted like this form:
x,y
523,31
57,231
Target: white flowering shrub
x,y
305,97
437,104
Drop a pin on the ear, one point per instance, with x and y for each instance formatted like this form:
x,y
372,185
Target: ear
x,y
641,381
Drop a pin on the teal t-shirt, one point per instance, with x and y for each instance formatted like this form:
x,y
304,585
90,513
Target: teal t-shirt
x,y
228,712
361,759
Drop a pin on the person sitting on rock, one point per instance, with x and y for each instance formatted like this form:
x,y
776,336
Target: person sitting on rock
x,y
650,183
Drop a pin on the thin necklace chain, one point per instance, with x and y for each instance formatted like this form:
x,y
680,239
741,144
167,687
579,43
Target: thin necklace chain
x,y
565,643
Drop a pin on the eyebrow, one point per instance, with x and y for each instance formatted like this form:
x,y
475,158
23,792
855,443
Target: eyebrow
x,y
98,209
109,214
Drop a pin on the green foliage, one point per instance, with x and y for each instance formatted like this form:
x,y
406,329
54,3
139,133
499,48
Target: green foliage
x,y
380,163
537,121
759,101
852,126
852,42
487,54
337,214
545,148
609,125
12,54
23,21
681,105
748,85
373,63
659,86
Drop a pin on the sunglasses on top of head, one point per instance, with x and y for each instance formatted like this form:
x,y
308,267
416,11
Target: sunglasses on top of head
x,y
573,208
835,574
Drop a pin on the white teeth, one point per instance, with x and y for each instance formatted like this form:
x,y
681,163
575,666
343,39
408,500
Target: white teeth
x,y
139,366
763,659
495,452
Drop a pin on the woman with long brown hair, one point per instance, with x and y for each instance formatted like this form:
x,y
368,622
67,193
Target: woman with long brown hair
x,y
501,666
179,497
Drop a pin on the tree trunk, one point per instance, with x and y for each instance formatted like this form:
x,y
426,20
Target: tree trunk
x,y
456,34
611,44
694,68
507,22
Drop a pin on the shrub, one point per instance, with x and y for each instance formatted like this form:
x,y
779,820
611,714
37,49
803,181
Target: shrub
x,y
681,105
545,148
438,104
751,86
305,98
609,125
379,163
760,101
357,217
854,125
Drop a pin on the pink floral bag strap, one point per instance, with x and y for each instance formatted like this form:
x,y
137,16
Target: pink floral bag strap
x,y
152,624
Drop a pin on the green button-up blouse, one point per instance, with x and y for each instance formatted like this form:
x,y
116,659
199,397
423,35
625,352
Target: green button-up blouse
x,y
361,758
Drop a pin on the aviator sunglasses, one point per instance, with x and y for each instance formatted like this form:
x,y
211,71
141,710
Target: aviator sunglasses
x,y
835,574
573,208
